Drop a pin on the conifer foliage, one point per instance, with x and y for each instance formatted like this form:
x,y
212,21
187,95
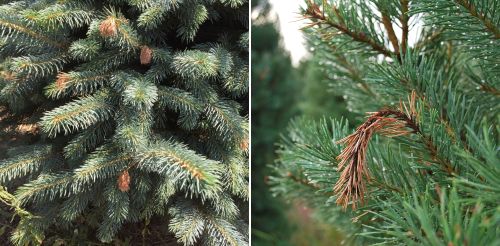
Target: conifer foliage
x,y
422,168
144,115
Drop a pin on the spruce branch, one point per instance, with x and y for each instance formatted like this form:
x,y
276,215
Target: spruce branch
x,y
75,83
77,115
194,173
59,16
46,187
75,205
24,163
194,64
117,212
101,164
194,14
116,28
188,106
87,140
12,29
236,175
173,158
141,72
189,222
36,67
109,27
153,16
226,121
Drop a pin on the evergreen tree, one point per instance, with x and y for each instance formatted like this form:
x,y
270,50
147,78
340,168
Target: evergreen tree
x,y
423,167
318,97
144,114
274,97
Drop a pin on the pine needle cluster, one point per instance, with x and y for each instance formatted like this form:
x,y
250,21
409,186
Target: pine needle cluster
x,y
421,173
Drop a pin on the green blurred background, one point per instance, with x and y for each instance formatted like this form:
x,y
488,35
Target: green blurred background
x,y
281,92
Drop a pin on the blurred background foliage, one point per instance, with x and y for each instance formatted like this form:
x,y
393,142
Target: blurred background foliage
x,y
279,91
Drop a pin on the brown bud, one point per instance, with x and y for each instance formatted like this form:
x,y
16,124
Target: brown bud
x,y
124,181
146,55
62,78
108,27
244,145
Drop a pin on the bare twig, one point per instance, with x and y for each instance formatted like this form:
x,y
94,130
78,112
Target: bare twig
x,y
404,24
386,20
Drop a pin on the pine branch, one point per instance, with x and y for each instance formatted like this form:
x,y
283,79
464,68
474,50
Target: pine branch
x,y
482,17
313,12
302,181
355,74
428,40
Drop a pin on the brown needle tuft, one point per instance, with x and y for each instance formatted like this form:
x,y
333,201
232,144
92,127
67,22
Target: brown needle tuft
x,y
146,55
108,27
124,181
351,186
